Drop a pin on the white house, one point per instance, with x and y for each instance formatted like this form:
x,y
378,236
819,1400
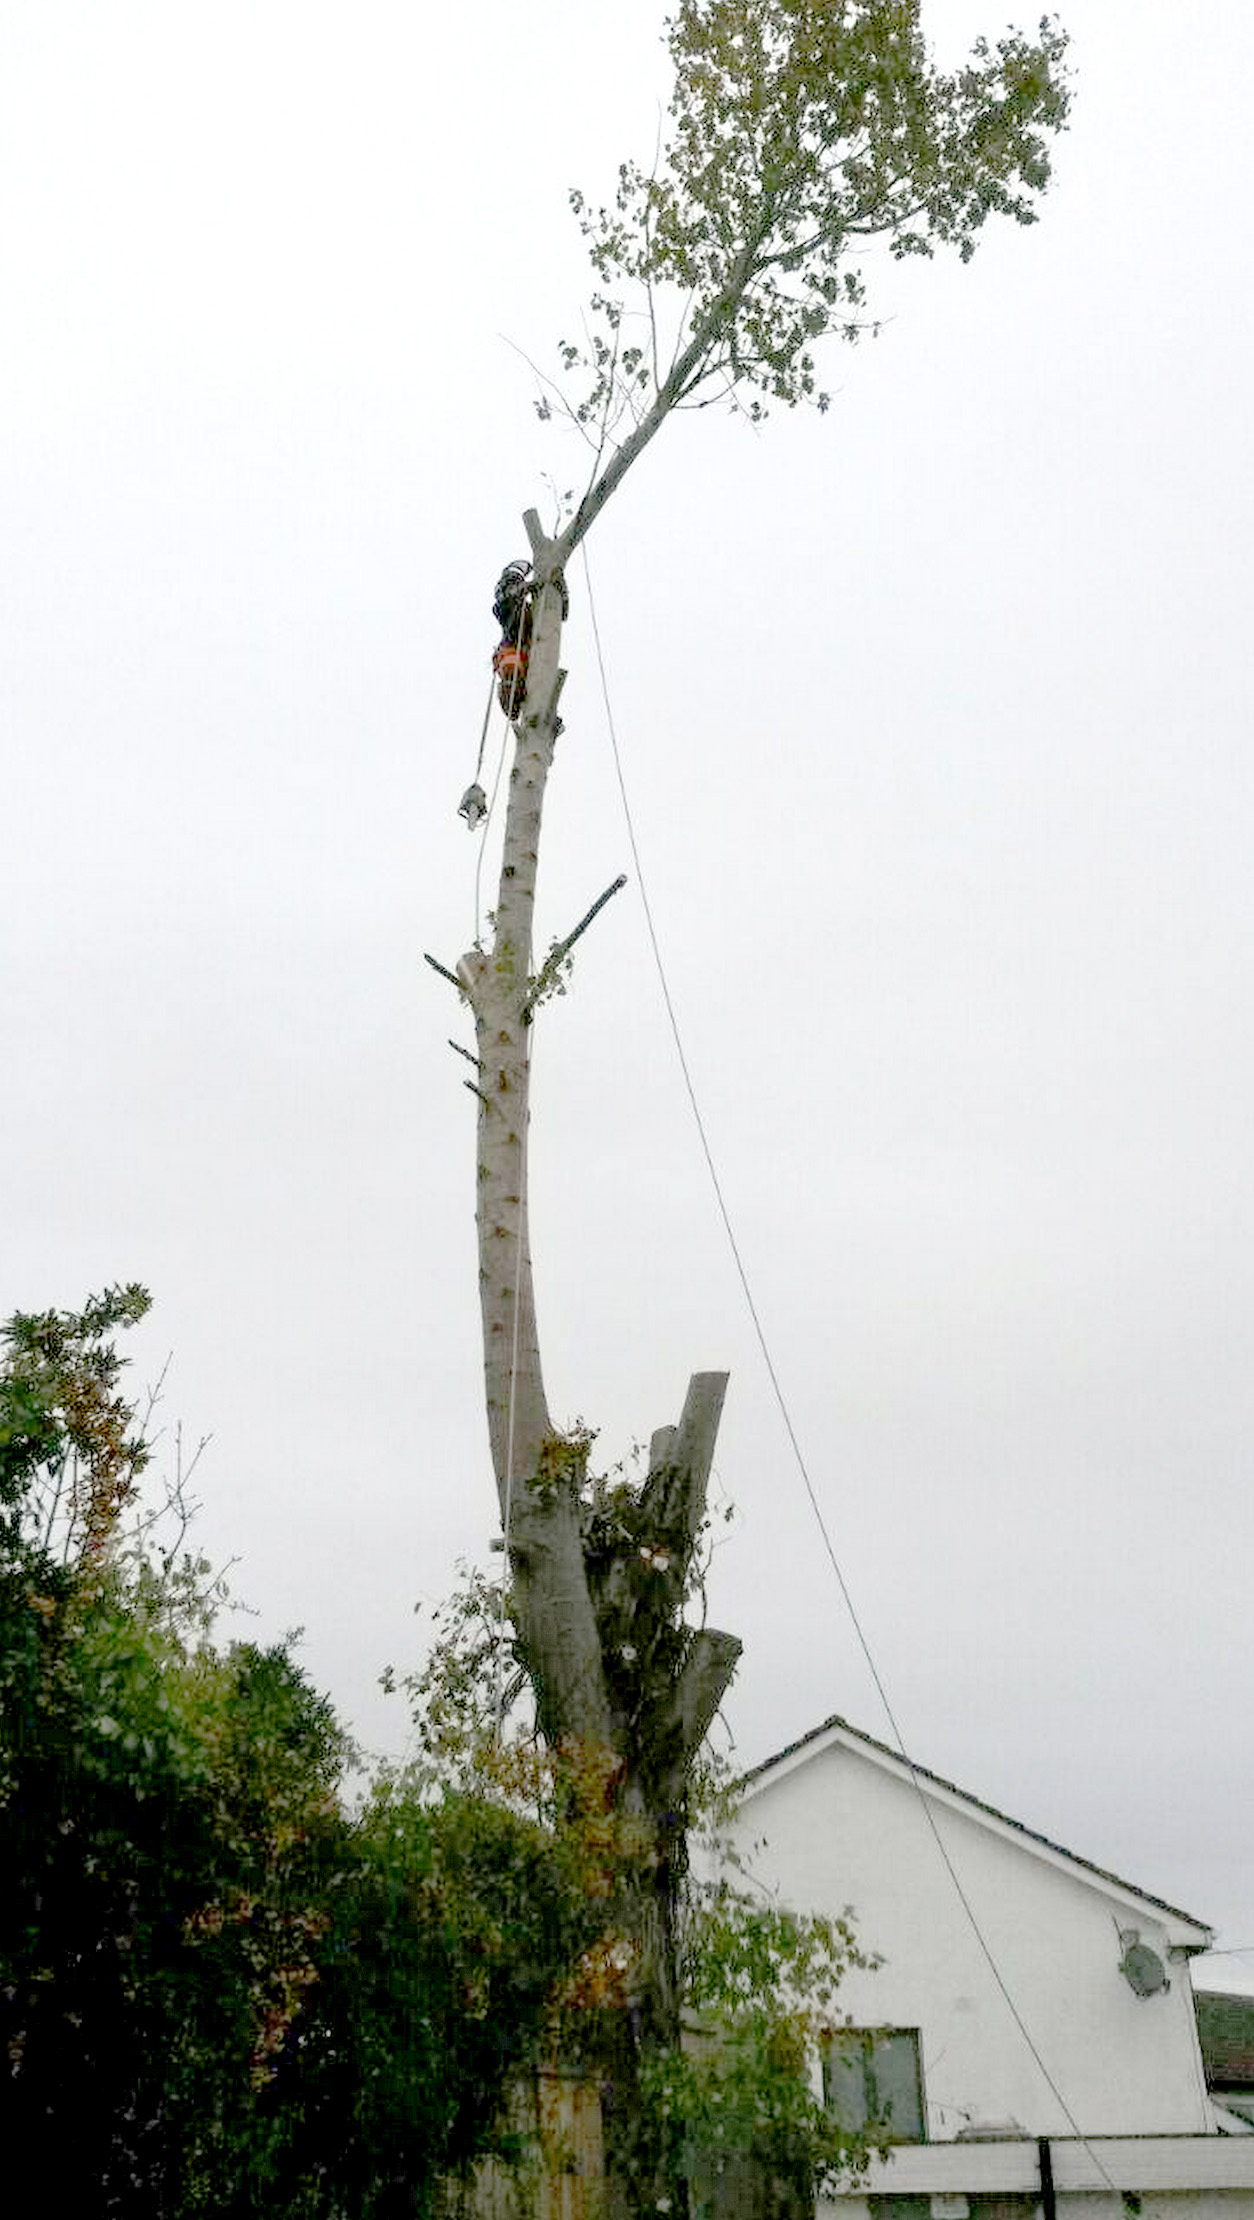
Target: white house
x,y
1032,2023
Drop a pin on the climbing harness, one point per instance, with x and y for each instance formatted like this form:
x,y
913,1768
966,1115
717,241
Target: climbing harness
x,y
512,606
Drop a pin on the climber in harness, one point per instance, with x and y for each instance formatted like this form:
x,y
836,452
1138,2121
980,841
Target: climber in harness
x,y
511,606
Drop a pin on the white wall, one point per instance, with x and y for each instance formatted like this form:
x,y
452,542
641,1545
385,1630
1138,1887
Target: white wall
x,y
1168,2204
840,1831
1173,2177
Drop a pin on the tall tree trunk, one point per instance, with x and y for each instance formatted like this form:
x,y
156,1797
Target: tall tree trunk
x,y
598,1600
537,1475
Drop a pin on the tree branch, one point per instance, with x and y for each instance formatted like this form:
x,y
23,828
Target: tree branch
x,y
683,375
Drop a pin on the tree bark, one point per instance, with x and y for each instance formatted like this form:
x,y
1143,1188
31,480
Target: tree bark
x,y
598,1608
537,1480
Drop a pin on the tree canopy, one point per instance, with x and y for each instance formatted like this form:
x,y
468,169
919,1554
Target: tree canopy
x,y
221,1991
800,133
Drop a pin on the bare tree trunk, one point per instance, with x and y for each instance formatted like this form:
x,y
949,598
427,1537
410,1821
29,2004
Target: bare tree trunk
x,y
537,1476
598,1603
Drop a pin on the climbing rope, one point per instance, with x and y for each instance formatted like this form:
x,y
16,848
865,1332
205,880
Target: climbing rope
x,y
498,1706
471,805
487,717
475,806
487,821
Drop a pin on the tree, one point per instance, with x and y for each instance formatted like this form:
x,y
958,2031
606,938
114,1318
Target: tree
x,y
756,1983
220,1992
800,131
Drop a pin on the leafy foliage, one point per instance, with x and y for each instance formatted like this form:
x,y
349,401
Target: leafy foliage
x,y
801,131
70,1456
759,1983
219,1991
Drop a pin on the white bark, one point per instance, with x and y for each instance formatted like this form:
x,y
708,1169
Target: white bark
x,y
539,1503
537,1477
497,981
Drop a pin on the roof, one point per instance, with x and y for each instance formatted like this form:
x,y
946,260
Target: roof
x,y
1225,2026
838,1729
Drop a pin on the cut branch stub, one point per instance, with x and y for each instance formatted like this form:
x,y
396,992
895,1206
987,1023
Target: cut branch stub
x,y
555,1618
680,1457
699,1689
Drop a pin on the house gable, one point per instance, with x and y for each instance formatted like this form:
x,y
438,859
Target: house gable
x,y
1184,1932
984,1930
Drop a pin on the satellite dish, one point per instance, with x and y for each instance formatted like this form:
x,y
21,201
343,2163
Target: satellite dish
x,y
1141,1967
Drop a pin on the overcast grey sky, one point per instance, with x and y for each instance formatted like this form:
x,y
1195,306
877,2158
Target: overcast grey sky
x,y
934,714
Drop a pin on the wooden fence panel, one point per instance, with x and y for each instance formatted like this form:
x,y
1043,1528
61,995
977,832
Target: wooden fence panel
x,y
561,2114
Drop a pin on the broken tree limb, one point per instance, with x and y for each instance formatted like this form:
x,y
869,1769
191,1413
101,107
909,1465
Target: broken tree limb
x,y
680,1458
546,557
554,1616
702,1682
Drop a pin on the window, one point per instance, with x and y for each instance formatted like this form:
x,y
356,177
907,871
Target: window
x,y
873,2077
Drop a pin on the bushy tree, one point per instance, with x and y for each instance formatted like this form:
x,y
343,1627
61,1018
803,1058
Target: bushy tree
x,y
757,1982
220,1991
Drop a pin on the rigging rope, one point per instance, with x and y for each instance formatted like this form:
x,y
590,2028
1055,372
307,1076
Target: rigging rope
x,y
487,718
786,1415
487,819
507,1508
